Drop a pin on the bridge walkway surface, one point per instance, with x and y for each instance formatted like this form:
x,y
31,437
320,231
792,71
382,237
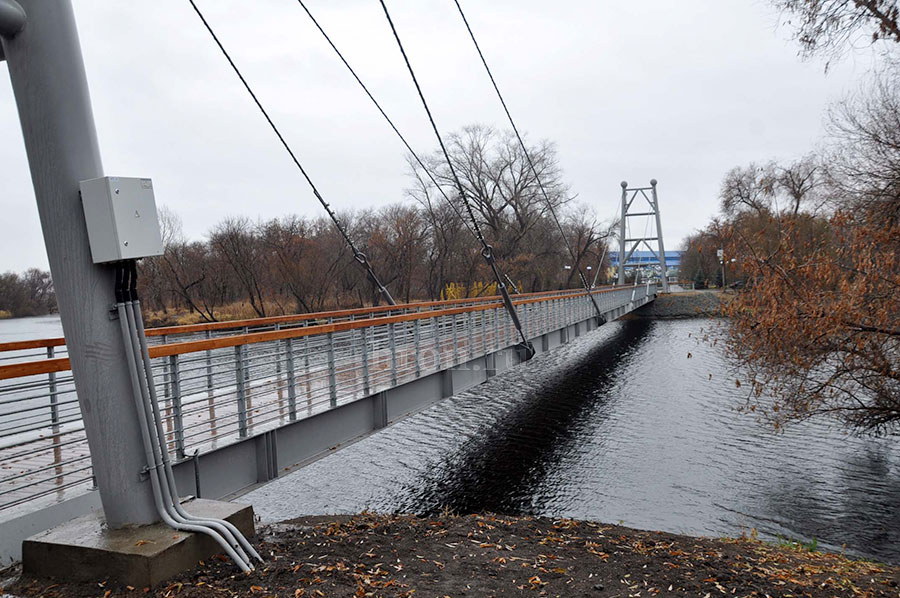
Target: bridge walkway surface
x,y
246,401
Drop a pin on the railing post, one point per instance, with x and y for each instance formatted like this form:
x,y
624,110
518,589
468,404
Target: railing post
x,y
176,406
471,334
54,419
496,329
332,378
527,319
167,395
306,373
523,309
210,393
437,342
248,394
545,317
291,379
54,395
416,344
241,390
484,343
393,345
455,342
367,390
278,389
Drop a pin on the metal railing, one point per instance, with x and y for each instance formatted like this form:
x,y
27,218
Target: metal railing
x,y
222,382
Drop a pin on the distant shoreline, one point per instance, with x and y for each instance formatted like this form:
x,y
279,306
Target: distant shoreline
x,y
682,305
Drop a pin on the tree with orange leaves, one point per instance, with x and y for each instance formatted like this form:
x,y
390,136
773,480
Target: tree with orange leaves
x,y
818,327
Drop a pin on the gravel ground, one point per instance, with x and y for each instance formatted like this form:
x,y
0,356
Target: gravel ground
x,y
487,555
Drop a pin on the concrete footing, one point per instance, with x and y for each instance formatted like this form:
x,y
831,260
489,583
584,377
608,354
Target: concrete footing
x,y
84,549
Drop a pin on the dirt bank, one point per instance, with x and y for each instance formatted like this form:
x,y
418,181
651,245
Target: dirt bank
x,y
371,555
686,304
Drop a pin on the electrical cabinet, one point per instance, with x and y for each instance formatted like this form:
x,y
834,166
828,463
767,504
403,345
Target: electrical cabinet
x,y
121,218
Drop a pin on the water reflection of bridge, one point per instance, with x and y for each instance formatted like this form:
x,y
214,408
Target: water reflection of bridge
x,y
243,401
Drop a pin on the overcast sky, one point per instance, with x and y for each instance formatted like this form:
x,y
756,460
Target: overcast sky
x,y
677,91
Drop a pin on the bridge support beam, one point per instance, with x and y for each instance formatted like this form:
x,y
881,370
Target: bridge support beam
x,y
50,86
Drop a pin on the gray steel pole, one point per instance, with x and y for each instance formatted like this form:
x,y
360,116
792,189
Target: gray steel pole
x,y
659,235
50,86
622,233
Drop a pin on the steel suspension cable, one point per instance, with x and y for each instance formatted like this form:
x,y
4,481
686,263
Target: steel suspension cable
x,y
575,260
486,250
358,255
387,118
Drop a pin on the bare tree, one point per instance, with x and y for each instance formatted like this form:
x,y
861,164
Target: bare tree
x,y
799,183
419,251
451,253
748,189
28,294
397,243
864,163
155,280
499,183
234,240
830,26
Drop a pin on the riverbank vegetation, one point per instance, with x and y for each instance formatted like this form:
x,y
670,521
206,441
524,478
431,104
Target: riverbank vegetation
x,y
27,294
486,555
814,244
420,249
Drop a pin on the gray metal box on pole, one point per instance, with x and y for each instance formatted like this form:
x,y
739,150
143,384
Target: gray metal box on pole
x,y
121,218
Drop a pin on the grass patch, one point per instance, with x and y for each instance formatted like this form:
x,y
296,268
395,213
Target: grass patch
x,y
799,545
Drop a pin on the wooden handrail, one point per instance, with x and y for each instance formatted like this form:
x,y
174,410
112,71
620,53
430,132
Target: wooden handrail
x,y
221,342
41,343
201,327
61,364
33,368
190,328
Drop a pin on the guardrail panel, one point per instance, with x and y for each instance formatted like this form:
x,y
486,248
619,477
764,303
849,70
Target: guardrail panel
x,y
220,382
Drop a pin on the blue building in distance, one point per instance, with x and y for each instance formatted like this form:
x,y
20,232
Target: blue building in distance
x,y
642,259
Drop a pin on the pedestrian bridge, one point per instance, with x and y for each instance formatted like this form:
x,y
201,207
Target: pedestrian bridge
x,y
246,401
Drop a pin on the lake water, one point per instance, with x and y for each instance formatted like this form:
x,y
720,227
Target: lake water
x,y
23,329
619,426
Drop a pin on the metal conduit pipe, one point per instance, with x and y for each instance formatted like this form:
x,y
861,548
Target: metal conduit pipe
x,y
169,491
148,388
152,465
128,274
168,499
228,531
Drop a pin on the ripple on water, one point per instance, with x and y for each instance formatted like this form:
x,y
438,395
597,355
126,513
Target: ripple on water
x,y
619,425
